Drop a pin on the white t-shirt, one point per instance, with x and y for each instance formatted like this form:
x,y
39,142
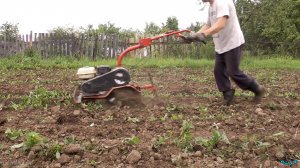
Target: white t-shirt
x,y
231,36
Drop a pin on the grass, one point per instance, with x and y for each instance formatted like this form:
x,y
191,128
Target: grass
x,y
40,97
275,62
60,62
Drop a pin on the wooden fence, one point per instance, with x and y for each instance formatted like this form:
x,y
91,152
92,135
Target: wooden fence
x,y
84,45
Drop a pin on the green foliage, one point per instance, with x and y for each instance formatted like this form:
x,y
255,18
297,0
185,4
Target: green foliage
x,y
159,141
213,141
295,14
270,28
31,53
70,140
9,31
32,138
134,140
75,33
176,117
53,151
152,29
13,134
172,23
185,138
92,163
108,28
64,32
38,98
203,114
195,27
206,51
264,62
173,108
133,119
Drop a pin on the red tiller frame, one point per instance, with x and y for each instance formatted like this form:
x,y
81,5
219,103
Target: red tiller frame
x,y
147,42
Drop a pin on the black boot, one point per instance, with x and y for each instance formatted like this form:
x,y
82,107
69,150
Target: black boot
x,y
228,96
258,91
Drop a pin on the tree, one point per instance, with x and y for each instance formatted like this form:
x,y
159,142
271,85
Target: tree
x,y
152,29
108,28
295,14
195,27
269,28
172,23
9,30
64,33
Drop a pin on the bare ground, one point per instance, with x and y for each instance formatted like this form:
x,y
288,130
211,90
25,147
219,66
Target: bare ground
x,y
96,134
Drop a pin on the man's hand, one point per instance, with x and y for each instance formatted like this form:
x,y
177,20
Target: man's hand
x,y
194,37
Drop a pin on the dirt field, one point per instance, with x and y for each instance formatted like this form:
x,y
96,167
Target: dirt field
x,y
184,126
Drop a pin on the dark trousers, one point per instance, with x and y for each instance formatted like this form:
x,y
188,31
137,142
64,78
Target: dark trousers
x,y
227,65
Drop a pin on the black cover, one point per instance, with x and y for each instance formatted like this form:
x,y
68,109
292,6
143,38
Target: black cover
x,y
116,77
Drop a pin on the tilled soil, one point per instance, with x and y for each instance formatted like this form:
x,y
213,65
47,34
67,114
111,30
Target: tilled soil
x,y
164,131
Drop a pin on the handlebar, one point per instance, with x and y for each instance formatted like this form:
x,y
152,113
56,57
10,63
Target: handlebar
x,y
147,42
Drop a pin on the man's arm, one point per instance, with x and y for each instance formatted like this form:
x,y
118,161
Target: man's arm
x,y
206,30
203,28
215,28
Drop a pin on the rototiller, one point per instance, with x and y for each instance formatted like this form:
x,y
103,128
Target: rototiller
x,y
102,82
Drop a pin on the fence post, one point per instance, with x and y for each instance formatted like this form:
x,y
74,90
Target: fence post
x,y
26,44
72,45
51,44
54,45
23,44
39,43
91,48
101,45
65,44
35,41
5,41
115,47
30,38
46,45
110,46
43,45
81,45
105,46
87,45
17,45
95,52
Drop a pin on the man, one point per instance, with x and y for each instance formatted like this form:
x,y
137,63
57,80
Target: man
x,y
224,27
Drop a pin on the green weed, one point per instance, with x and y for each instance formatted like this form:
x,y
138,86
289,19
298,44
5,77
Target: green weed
x,y
108,118
133,119
92,163
173,108
38,98
32,138
152,118
212,142
159,141
13,134
164,117
1,147
185,138
177,117
70,140
203,112
134,140
53,151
